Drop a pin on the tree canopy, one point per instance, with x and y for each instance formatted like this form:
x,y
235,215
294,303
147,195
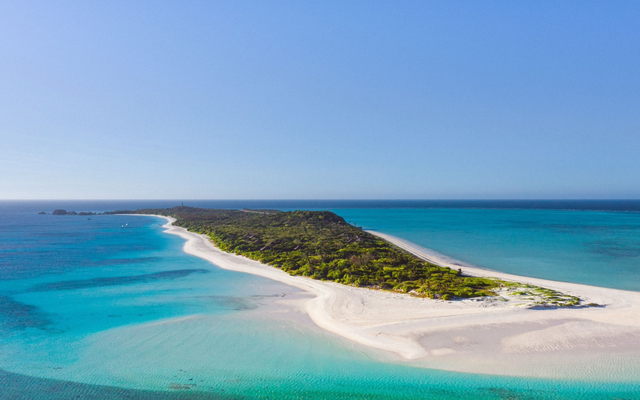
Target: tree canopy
x,y
322,245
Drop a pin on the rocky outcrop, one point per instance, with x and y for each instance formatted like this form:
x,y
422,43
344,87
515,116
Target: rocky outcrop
x,y
65,212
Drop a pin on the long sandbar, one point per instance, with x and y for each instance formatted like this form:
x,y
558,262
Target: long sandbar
x,y
487,336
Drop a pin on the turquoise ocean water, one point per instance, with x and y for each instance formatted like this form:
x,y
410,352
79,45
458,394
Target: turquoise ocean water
x,y
600,248
110,307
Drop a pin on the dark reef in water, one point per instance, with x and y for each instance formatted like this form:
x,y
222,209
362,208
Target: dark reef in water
x,y
115,281
23,387
18,316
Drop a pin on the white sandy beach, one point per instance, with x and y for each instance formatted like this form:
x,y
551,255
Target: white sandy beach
x,y
490,336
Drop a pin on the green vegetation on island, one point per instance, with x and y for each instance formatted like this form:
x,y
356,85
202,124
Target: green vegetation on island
x,y
322,245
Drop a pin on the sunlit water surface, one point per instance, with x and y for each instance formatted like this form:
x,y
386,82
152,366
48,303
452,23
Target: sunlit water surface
x,y
110,306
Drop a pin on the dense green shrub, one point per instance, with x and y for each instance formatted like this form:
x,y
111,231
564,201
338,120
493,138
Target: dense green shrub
x,y
321,245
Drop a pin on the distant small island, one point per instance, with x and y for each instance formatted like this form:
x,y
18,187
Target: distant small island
x,y
65,212
322,245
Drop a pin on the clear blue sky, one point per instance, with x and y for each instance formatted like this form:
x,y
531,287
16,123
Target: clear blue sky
x,y
325,99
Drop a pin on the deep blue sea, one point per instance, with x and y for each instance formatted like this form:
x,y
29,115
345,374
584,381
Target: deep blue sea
x,y
110,307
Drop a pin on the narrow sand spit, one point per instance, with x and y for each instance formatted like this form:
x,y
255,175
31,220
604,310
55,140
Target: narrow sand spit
x,y
480,336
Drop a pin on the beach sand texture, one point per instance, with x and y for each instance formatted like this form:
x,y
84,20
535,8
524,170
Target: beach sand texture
x,y
488,336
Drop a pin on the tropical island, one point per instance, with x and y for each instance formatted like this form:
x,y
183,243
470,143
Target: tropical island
x,y
322,245
394,298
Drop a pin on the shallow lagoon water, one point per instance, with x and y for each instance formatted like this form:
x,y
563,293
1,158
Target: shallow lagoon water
x,y
111,306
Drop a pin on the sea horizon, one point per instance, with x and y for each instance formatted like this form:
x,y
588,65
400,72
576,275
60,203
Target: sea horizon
x,y
629,205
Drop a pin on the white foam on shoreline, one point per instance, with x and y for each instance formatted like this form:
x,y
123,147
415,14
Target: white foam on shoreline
x,y
601,343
